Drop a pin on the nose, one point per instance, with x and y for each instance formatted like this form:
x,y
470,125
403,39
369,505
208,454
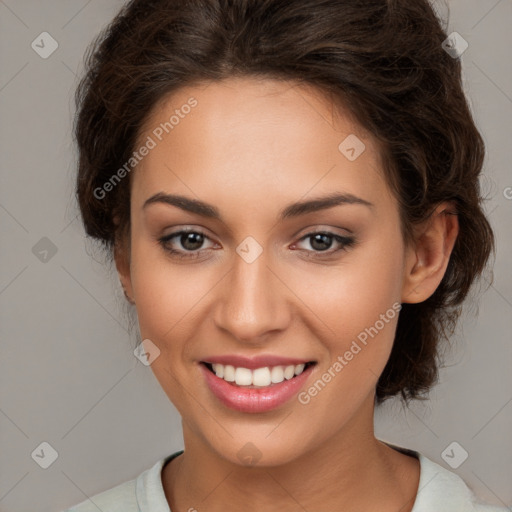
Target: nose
x,y
253,303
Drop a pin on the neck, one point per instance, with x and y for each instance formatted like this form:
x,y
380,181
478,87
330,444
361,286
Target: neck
x,y
352,471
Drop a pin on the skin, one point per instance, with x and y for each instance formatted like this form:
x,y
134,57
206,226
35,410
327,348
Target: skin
x,y
250,148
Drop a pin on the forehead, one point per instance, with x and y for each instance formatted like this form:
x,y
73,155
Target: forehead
x,y
256,138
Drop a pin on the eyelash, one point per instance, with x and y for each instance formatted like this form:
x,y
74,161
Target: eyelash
x,y
345,242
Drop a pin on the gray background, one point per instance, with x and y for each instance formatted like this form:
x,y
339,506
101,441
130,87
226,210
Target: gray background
x,y
67,369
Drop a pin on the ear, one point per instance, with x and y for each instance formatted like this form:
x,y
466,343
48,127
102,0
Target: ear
x,y
122,260
428,256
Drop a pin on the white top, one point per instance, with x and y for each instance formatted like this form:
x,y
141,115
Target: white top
x,y
439,490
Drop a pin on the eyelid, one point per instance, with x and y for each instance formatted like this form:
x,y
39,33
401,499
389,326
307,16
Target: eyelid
x,y
324,228
344,242
184,230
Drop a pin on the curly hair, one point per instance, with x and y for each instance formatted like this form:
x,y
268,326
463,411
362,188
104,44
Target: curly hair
x,y
382,59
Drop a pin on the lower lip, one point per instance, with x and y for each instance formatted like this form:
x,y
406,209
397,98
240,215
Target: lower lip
x,y
254,400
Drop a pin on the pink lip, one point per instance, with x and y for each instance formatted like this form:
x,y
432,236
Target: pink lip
x,y
254,400
254,362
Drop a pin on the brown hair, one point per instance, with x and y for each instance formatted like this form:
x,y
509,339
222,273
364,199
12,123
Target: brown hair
x,y
382,59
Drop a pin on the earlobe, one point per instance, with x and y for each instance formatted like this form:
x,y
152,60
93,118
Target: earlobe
x,y
122,262
428,257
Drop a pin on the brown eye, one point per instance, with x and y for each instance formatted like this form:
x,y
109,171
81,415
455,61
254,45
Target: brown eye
x,y
191,241
185,243
321,242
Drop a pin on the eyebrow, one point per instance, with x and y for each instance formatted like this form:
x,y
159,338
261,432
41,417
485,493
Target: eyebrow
x,y
292,210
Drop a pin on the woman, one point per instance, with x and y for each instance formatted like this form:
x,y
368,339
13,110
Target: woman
x,y
290,192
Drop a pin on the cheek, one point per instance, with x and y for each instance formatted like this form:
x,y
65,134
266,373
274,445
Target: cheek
x,y
361,311
167,300
356,308
347,297
351,296
167,294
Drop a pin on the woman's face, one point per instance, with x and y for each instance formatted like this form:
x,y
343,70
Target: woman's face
x,y
251,286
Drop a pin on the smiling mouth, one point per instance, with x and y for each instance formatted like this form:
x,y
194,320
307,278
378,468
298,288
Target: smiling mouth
x,y
263,377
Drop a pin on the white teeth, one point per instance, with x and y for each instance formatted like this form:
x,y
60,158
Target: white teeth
x,y
219,370
289,372
277,374
243,377
229,373
260,377
299,369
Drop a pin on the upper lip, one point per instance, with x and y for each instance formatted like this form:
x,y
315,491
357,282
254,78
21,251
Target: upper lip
x,y
254,362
